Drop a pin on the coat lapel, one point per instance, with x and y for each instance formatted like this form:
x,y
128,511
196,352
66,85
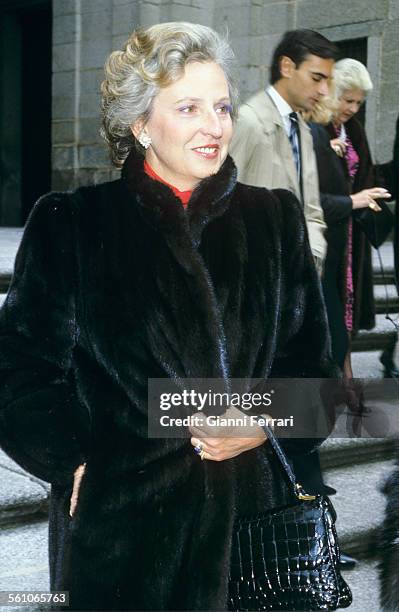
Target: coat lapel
x,y
307,164
271,121
198,329
164,211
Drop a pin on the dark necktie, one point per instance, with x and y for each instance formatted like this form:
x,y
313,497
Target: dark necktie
x,y
295,143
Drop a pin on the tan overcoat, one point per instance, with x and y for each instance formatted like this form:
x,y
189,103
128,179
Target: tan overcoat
x,y
263,155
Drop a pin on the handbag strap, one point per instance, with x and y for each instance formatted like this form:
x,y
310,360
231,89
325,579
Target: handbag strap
x,y
387,315
298,489
386,297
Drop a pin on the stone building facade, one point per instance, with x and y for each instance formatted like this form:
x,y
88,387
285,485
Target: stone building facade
x,y
84,32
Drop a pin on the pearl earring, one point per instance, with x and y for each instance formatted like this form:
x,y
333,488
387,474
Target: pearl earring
x,y
144,140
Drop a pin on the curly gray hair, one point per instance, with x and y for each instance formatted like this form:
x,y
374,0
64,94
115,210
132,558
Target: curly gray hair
x,y
151,59
351,74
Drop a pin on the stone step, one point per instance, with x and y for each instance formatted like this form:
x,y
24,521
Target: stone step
x,y
24,567
24,560
364,583
386,253
344,452
30,573
366,364
22,496
376,338
10,237
29,570
386,298
360,504
386,276
23,547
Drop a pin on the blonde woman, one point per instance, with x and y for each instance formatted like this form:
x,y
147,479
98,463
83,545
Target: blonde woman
x,y
170,272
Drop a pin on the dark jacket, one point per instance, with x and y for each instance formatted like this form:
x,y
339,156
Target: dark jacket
x,y
334,195
363,308
337,208
115,284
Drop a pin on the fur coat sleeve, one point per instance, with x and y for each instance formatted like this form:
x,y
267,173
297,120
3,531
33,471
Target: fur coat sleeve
x,y
304,346
40,414
303,349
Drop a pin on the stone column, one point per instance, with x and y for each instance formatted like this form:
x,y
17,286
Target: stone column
x,y
82,39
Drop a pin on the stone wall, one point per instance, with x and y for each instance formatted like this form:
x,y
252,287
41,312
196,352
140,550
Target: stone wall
x,y
86,31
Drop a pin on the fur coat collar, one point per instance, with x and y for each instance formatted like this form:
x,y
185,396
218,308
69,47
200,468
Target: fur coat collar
x,y
160,207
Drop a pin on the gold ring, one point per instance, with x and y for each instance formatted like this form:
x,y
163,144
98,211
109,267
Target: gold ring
x,y
373,206
202,455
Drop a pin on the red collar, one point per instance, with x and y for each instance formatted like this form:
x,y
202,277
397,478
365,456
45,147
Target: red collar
x,y
183,196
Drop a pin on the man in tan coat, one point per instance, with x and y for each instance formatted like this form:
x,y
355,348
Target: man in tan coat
x,y
272,145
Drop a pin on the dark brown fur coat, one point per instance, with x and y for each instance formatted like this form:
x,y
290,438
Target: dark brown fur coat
x,y
114,284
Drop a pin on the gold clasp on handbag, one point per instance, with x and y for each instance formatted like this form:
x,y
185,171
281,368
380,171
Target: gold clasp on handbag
x,y
302,495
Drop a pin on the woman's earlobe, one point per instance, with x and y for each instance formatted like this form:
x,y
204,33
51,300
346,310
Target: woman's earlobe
x,y
137,127
138,130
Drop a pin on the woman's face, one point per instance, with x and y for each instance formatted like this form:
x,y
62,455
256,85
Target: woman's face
x,y
349,104
190,126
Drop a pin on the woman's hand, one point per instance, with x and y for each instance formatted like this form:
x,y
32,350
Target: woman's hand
x,y
368,197
225,442
339,146
77,478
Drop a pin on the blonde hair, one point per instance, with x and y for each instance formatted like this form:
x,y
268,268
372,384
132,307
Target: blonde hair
x,y
151,59
324,111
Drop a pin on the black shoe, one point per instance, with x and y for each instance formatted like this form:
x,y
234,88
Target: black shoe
x,y
390,369
346,562
391,372
359,411
327,490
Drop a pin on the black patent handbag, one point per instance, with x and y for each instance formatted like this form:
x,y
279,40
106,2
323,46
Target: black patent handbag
x,y
288,558
375,225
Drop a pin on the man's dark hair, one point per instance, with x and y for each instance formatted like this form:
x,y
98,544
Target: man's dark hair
x,y
297,45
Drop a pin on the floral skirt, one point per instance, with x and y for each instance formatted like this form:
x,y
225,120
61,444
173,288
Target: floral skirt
x,y
349,296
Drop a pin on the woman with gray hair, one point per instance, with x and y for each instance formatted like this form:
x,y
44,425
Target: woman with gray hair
x,y
347,183
173,271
